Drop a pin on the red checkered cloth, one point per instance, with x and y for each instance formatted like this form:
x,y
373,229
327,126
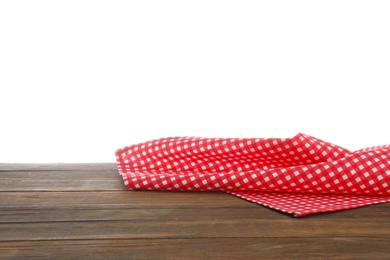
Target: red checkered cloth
x,y
300,175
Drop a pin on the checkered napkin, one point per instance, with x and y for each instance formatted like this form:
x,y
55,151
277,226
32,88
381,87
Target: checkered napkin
x,y
300,175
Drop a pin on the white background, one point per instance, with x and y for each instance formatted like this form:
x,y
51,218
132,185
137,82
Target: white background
x,y
79,79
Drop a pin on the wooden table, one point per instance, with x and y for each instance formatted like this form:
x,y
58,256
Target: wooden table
x,y
83,211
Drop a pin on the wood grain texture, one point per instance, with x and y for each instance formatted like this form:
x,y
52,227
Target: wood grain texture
x,y
57,166
83,211
199,248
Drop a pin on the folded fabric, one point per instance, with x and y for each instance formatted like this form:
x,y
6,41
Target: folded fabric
x,y
300,175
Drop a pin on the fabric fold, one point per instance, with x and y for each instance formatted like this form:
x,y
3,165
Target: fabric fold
x,y
300,175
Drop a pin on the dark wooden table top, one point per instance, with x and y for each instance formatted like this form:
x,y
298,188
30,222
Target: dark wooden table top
x,y
83,211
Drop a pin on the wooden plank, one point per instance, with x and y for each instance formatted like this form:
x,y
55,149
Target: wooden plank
x,y
80,180
201,248
156,199
119,199
60,214
63,185
150,214
60,175
202,228
57,166
59,180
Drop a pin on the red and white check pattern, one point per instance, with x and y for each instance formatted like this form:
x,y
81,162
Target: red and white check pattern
x,y
300,175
